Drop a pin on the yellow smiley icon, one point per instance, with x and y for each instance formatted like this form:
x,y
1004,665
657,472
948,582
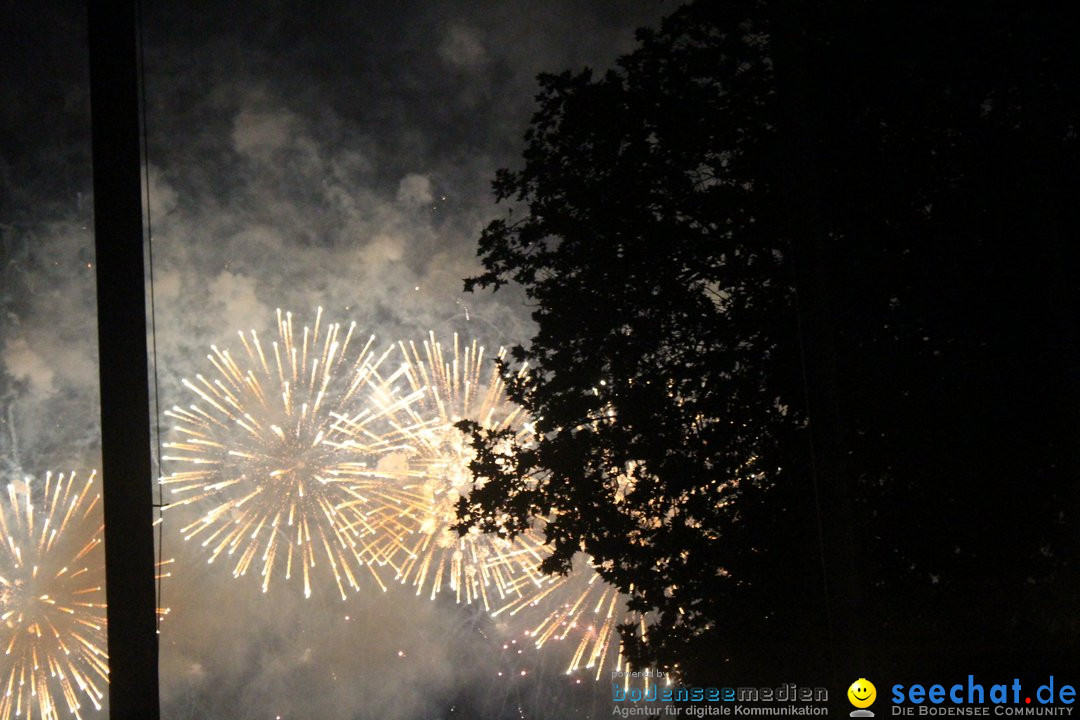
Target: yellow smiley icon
x,y
862,693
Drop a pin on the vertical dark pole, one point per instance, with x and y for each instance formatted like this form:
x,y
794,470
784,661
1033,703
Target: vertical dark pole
x,y
125,415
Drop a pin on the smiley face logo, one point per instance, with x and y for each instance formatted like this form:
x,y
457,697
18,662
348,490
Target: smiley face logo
x,y
862,693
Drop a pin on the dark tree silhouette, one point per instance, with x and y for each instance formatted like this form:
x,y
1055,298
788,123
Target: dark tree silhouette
x,y
663,392
806,367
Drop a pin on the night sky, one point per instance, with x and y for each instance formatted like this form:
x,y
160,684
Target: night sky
x,y
299,155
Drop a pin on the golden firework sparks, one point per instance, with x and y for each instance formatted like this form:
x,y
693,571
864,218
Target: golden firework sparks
x,y
429,463
274,450
434,388
580,610
52,598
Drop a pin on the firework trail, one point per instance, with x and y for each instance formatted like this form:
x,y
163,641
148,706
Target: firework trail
x,y
52,598
273,448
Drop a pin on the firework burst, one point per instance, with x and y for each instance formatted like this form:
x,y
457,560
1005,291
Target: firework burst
x,y
584,611
52,598
429,464
434,388
580,611
274,450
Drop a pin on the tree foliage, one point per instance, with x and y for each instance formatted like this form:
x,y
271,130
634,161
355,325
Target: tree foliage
x,y
660,390
863,205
